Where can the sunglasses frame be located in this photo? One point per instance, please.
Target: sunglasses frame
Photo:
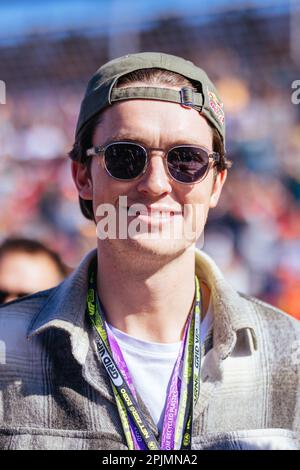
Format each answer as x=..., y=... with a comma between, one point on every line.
x=214, y=157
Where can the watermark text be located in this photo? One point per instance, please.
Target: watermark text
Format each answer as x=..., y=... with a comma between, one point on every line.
x=2, y=92
x=295, y=98
x=153, y=222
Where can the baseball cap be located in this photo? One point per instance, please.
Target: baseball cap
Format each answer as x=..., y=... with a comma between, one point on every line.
x=101, y=90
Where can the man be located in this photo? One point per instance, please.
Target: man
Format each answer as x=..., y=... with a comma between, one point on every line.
x=145, y=345
x=27, y=266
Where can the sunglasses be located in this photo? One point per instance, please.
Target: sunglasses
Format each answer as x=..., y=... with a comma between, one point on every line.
x=5, y=294
x=127, y=161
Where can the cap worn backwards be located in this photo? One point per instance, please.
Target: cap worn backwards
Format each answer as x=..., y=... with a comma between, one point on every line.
x=101, y=91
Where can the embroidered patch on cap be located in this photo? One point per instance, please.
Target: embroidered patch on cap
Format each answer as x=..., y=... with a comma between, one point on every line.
x=217, y=106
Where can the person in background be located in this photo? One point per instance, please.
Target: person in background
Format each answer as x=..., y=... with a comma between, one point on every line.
x=27, y=266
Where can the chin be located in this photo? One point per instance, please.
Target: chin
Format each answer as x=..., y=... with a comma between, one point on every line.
x=162, y=248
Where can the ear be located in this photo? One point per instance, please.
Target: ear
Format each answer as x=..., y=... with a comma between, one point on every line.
x=82, y=180
x=217, y=188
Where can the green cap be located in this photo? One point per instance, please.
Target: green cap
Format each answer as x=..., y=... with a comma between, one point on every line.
x=101, y=91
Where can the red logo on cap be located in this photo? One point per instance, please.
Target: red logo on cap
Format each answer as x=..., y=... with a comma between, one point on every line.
x=216, y=106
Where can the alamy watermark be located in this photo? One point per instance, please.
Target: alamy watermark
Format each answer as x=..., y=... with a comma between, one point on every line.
x=2, y=353
x=2, y=92
x=295, y=98
x=154, y=222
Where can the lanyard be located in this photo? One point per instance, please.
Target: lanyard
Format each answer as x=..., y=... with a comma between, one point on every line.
x=184, y=385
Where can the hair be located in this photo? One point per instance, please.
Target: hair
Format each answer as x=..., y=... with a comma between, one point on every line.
x=151, y=76
x=32, y=247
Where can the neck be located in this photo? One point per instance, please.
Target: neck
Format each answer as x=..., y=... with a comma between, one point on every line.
x=154, y=305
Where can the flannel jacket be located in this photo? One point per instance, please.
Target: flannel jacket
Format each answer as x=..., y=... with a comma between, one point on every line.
x=55, y=394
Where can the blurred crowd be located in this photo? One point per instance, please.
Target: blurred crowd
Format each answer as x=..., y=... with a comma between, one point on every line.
x=253, y=234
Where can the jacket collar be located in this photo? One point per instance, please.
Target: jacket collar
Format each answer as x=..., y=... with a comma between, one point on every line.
x=232, y=312
x=66, y=305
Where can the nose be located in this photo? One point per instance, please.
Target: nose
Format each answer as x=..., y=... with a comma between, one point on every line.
x=155, y=180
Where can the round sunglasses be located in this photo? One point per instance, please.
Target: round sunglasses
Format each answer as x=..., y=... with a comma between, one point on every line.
x=127, y=161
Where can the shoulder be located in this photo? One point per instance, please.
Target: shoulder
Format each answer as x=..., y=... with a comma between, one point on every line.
x=278, y=360
x=271, y=314
x=25, y=306
x=15, y=320
x=277, y=332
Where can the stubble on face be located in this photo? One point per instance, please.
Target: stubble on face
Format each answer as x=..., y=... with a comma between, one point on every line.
x=166, y=122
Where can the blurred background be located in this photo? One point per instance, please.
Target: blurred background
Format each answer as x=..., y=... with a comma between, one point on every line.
x=49, y=49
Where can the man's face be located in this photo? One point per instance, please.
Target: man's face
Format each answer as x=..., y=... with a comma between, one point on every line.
x=161, y=125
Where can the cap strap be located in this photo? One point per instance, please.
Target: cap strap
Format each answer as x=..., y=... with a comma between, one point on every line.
x=186, y=96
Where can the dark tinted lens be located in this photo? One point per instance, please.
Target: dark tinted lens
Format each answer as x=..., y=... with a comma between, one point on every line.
x=188, y=164
x=125, y=161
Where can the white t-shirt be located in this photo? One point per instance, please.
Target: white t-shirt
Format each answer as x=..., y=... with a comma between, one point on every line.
x=151, y=366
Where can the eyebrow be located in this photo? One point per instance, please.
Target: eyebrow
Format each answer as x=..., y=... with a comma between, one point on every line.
x=132, y=138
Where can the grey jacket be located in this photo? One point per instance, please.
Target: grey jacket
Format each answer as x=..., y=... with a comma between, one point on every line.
x=54, y=393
